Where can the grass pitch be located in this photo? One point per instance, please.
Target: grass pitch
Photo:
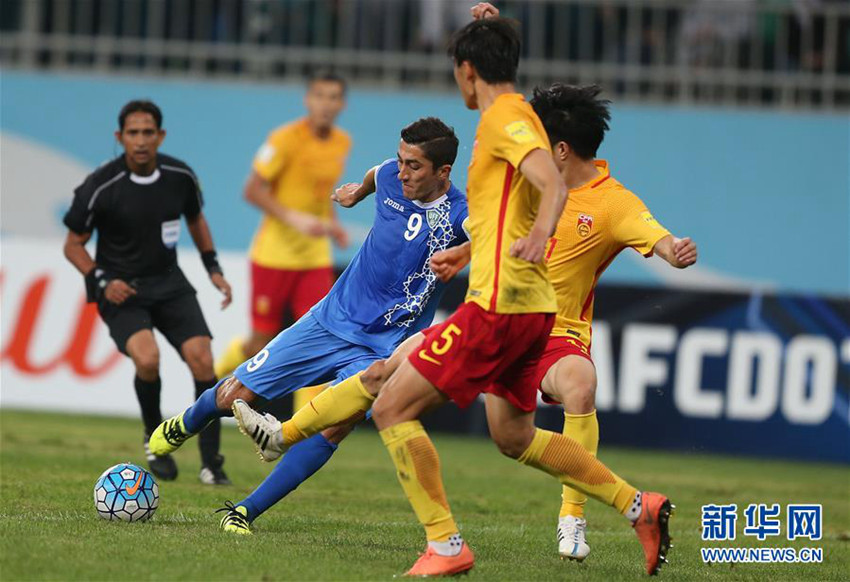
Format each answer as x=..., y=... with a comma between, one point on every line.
x=351, y=521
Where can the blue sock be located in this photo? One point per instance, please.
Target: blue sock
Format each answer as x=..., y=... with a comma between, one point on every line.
x=297, y=465
x=203, y=411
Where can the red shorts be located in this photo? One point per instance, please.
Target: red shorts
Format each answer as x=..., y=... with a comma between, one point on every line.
x=274, y=292
x=476, y=351
x=557, y=348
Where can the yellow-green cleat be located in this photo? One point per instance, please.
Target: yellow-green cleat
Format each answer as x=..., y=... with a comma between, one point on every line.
x=168, y=436
x=235, y=520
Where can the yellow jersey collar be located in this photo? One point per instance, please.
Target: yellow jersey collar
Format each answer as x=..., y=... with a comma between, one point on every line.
x=604, y=174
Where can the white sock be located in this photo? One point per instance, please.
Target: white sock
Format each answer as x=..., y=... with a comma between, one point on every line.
x=633, y=512
x=450, y=547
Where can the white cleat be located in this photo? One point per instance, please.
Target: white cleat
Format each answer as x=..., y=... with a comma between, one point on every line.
x=263, y=429
x=571, y=542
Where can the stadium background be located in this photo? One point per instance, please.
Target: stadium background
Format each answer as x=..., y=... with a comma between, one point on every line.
x=730, y=120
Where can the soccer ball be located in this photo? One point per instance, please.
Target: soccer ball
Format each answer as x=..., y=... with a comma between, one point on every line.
x=126, y=492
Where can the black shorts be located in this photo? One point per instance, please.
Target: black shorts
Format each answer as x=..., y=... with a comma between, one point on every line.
x=166, y=302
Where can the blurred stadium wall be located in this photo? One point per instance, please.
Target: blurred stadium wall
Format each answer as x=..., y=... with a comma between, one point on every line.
x=730, y=121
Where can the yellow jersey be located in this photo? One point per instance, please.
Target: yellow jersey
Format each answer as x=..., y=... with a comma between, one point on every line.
x=303, y=170
x=502, y=209
x=601, y=219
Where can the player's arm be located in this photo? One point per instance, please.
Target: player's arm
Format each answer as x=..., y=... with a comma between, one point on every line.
x=679, y=252
x=258, y=191
x=338, y=232
x=350, y=194
x=75, y=251
x=202, y=237
x=448, y=263
x=98, y=281
x=540, y=170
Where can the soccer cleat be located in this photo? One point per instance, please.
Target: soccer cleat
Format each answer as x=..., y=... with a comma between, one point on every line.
x=213, y=474
x=433, y=564
x=263, y=429
x=571, y=542
x=168, y=436
x=162, y=466
x=235, y=520
x=652, y=529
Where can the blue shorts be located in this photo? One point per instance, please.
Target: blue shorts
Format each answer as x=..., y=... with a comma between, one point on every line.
x=305, y=354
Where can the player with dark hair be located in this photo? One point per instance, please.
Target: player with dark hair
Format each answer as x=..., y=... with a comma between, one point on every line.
x=601, y=219
x=418, y=212
x=291, y=181
x=135, y=203
x=496, y=341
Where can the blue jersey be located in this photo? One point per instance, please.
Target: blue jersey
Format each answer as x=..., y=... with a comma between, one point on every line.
x=388, y=292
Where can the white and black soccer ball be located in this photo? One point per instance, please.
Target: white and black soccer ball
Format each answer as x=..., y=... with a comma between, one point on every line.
x=126, y=492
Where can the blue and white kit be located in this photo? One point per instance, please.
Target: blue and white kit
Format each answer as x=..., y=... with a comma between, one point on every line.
x=387, y=294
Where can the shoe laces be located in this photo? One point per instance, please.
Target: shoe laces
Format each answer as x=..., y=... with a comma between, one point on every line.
x=572, y=529
x=173, y=434
x=231, y=512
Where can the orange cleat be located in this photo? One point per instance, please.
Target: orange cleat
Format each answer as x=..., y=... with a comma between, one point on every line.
x=433, y=564
x=652, y=529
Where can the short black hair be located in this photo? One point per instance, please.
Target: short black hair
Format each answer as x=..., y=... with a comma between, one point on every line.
x=324, y=75
x=436, y=139
x=140, y=106
x=491, y=45
x=575, y=115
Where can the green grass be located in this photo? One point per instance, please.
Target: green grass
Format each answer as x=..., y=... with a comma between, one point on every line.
x=351, y=521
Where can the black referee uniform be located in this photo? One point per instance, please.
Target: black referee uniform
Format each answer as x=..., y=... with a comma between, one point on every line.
x=138, y=222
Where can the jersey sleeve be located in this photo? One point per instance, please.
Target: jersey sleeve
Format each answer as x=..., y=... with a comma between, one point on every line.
x=512, y=135
x=194, y=201
x=380, y=167
x=273, y=154
x=80, y=217
x=634, y=225
x=381, y=175
x=461, y=227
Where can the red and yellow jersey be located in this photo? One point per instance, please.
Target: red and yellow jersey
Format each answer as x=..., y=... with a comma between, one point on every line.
x=303, y=170
x=502, y=209
x=601, y=219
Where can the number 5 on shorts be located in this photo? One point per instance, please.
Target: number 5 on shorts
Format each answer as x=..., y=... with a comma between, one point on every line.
x=448, y=335
x=448, y=339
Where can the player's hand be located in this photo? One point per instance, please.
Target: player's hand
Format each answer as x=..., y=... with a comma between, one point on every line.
x=484, y=10
x=222, y=285
x=307, y=223
x=347, y=195
x=685, y=251
x=530, y=248
x=118, y=291
x=339, y=235
x=448, y=263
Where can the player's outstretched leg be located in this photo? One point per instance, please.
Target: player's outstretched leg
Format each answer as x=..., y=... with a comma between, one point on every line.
x=347, y=401
x=302, y=461
x=516, y=436
x=212, y=404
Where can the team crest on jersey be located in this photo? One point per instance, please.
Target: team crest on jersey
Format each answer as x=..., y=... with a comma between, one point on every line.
x=584, y=224
x=433, y=217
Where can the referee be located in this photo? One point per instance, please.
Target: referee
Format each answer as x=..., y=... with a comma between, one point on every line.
x=135, y=202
